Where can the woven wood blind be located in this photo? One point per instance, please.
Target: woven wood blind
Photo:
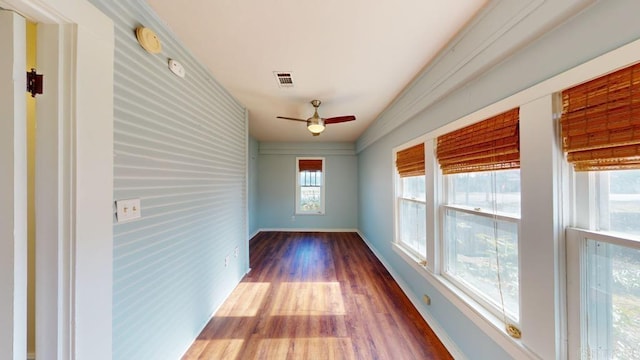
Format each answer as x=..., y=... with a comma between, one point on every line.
x=309, y=165
x=492, y=144
x=410, y=161
x=601, y=122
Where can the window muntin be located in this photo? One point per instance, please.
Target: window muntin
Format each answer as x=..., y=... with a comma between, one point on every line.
x=480, y=237
x=310, y=186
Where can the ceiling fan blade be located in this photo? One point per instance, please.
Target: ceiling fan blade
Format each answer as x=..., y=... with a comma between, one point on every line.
x=339, y=119
x=289, y=118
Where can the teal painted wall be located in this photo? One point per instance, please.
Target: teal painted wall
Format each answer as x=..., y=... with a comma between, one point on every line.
x=154, y=270
x=276, y=186
x=180, y=146
x=597, y=30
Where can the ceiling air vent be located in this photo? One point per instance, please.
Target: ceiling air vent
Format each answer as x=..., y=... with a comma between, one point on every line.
x=284, y=78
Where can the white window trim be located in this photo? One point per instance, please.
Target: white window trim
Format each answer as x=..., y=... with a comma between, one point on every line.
x=298, y=211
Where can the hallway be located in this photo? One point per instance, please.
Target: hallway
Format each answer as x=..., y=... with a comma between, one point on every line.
x=316, y=296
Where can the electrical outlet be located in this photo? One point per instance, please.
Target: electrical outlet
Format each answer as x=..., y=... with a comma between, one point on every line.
x=127, y=210
x=293, y=218
x=426, y=299
x=236, y=251
x=226, y=261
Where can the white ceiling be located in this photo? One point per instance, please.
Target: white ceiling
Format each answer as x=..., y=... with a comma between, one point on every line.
x=356, y=56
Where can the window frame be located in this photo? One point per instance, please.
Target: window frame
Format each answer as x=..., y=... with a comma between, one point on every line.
x=585, y=211
x=413, y=254
x=299, y=186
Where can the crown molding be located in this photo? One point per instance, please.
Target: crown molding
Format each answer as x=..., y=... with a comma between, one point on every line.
x=501, y=29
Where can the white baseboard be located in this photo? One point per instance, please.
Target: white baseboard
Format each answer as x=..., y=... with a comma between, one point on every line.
x=254, y=234
x=451, y=346
x=308, y=230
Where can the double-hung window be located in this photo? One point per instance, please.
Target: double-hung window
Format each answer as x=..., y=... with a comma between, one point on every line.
x=600, y=127
x=310, y=186
x=480, y=212
x=411, y=201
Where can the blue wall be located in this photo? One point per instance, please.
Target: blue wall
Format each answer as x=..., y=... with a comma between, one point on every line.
x=180, y=146
x=188, y=161
x=597, y=30
x=276, y=186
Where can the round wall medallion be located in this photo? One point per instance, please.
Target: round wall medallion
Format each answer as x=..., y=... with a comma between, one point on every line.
x=148, y=40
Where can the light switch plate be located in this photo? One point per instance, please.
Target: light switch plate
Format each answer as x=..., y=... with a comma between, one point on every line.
x=127, y=210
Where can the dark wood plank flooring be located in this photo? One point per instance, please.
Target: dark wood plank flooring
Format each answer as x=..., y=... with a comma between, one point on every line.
x=316, y=296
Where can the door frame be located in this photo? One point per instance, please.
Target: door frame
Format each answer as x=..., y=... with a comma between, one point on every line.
x=13, y=187
x=74, y=182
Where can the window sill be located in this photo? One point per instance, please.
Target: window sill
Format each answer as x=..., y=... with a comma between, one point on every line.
x=491, y=325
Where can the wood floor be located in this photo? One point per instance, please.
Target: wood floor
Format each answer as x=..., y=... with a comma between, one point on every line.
x=316, y=296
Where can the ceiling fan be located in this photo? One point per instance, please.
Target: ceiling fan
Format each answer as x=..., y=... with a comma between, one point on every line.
x=316, y=124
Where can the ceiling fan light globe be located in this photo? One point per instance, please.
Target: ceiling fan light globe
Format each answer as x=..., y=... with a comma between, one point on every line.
x=315, y=128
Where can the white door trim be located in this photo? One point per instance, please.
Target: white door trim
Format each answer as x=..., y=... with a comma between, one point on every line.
x=74, y=206
x=13, y=188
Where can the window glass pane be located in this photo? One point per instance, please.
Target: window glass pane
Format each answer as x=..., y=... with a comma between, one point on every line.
x=309, y=192
x=413, y=187
x=470, y=246
x=310, y=178
x=613, y=301
x=412, y=224
x=620, y=201
x=310, y=198
x=489, y=190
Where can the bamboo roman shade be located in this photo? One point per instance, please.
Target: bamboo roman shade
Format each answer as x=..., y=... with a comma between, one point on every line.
x=601, y=122
x=310, y=165
x=410, y=161
x=492, y=144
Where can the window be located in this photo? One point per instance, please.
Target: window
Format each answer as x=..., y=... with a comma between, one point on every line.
x=481, y=219
x=310, y=185
x=600, y=135
x=480, y=214
x=411, y=201
x=610, y=276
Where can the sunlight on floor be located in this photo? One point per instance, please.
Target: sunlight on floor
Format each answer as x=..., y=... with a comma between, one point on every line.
x=252, y=296
x=308, y=298
x=306, y=349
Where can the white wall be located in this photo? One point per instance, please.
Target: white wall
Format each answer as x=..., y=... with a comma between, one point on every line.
x=81, y=323
x=13, y=188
